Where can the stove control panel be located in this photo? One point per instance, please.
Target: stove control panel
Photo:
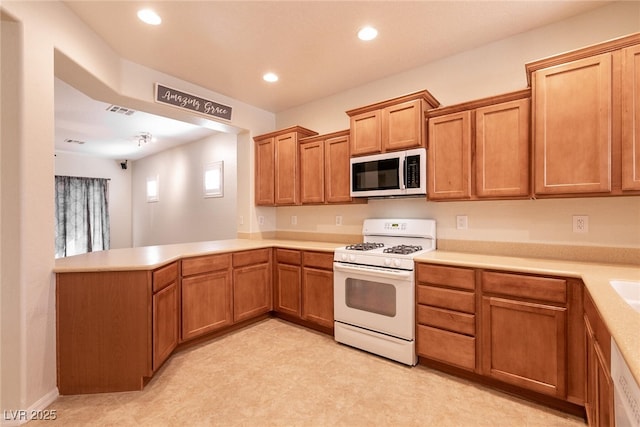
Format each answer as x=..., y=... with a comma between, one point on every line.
x=395, y=226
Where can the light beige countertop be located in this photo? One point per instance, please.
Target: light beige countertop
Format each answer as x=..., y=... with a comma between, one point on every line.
x=623, y=322
x=151, y=257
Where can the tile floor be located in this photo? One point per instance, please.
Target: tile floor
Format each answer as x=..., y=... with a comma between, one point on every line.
x=274, y=373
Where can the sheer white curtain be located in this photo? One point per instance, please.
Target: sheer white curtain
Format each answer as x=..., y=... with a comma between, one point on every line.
x=82, y=215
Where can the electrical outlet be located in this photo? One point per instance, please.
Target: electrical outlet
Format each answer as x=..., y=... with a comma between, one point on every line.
x=338, y=219
x=294, y=219
x=462, y=222
x=580, y=223
x=261, y=220
x=241, y=220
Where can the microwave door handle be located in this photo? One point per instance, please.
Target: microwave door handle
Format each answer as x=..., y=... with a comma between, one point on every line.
x=403, y=186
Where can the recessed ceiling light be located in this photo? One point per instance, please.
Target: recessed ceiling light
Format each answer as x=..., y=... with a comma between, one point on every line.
x=270, y=77
x=148, y=16
x=367, y=33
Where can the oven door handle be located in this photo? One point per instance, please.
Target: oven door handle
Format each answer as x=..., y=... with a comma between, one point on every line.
x=377, y=272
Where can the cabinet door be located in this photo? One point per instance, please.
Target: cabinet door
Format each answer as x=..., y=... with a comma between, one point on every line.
x=317, y=294
x=165, y=323
x=251, y=291
x=525, y=344
x=288, y=289
x=206, y=303
x=312, y=172
x=572, y=127
x=502, y=149
x=287, y=184
x=402, y=126
x=337, y=170
x=366, y=136
x=265, y=172
x=449, y=159
x=631, y=118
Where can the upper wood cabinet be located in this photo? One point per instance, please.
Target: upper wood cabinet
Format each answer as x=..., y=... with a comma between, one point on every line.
x=391, y=125
x=583, y=120
x=631, y=118
x=277, y=166
x=265, y=171
x=449, y=157
x=325, y=169
x=572, y=139
x=480, y=149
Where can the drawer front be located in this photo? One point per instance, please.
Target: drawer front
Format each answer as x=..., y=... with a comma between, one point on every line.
x=447, y=298
x=532, y=287
x=257, y=256
x=205, y=264
x=455, y=277
x=164, y=276
x=453, y=321
x=322, y=260
x=447, y=347
x=288, y=256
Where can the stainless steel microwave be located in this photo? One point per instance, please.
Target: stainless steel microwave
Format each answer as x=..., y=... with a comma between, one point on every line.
x=400, y=173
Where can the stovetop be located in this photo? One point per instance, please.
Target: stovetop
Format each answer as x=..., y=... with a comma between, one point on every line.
x=390, y=243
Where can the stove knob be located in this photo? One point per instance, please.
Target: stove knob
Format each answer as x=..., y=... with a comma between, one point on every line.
x=343, y=257
x=396, y=262
x=387, y=261
x=352, y=258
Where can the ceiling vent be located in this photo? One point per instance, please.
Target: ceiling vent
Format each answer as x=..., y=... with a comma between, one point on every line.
x=73, y=141
x=120, y=110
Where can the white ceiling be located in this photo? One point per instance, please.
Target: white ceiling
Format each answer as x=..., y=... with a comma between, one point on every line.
x=226, y=46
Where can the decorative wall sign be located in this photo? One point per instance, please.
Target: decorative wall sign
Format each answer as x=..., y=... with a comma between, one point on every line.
x=186, y=101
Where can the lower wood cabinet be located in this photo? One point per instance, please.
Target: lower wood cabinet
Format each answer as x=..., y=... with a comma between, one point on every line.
x=206, y=295
x=508, y=329
x=599, y=400
x=304, y=286
x=524, y=331
x=525, y=344
x=446, y=321
x=317, y=288
x=166, y=313
x=166, y=318
x=288, y=282
x=251, y=284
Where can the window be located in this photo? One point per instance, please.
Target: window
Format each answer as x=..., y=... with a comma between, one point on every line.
x=213, y=179
x=82, y=215
x=152, y=189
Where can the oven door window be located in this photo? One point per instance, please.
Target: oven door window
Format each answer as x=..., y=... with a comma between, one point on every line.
x=374, y=297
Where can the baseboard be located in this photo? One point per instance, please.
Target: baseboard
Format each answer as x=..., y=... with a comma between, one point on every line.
x=36, y=411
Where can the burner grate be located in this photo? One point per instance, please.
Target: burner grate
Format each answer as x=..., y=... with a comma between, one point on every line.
x=402, y=249
x=367, y=246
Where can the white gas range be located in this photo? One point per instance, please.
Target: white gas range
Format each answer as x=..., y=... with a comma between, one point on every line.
x=374, y=287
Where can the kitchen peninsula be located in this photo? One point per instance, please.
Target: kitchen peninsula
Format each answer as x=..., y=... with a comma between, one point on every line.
x=120, y=312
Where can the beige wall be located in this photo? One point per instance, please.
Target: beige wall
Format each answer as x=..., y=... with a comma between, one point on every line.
x=488, y=70
x=182, y=214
